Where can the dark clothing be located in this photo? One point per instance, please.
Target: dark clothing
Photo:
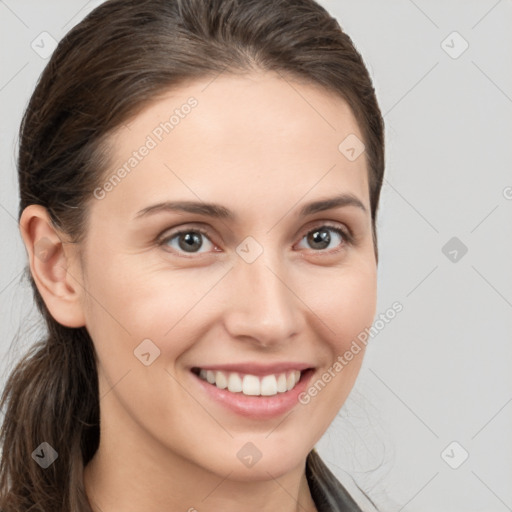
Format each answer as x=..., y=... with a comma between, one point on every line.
x=327, y=492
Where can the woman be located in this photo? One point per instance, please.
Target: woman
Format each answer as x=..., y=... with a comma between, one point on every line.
x=199, y=182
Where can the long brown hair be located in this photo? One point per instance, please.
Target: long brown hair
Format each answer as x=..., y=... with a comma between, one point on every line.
x=105, y=70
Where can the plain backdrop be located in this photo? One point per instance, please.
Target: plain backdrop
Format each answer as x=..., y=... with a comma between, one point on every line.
x=427, y=427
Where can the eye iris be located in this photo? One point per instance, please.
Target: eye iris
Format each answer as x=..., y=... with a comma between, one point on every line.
x=320, y=236
x=191, y=241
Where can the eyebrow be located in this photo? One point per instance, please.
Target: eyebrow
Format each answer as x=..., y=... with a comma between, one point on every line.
x=221, y=212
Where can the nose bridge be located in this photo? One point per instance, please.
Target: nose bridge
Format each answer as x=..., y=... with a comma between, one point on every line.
x=262, y=305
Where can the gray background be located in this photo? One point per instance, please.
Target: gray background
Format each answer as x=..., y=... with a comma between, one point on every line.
x=440, y=371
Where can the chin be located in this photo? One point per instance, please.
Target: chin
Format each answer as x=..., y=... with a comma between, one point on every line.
x=258, y=460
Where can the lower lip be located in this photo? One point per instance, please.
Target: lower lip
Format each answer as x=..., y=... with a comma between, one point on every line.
x=257, y=407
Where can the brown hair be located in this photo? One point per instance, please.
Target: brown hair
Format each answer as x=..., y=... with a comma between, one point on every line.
x=104, y=71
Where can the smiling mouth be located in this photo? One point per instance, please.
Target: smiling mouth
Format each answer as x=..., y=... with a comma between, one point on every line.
x=252, y=385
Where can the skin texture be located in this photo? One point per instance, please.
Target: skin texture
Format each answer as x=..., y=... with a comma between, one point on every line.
x=263, y=147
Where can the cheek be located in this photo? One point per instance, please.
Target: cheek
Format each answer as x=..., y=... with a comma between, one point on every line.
x=127, y=303
x=346, y=302
x=347, y=308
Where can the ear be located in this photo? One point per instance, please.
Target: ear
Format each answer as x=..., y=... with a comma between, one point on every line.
x=54, y=266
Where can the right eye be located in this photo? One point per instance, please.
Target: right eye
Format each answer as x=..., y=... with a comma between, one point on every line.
x=188, y=240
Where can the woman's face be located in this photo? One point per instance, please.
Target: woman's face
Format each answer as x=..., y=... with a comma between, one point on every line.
x=254, y=286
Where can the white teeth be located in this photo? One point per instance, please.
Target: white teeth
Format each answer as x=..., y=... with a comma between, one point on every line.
x=281, y=383
x=234, y=383
x=221, y=380
x=251, y=385
x=290, y=381
x=269, y=385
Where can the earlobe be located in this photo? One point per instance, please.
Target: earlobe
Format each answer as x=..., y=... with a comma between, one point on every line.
x=53, y=266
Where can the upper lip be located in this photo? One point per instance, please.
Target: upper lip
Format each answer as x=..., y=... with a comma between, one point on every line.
x=257, y=369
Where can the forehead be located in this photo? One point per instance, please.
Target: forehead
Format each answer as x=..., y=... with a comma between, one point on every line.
x=242, y=140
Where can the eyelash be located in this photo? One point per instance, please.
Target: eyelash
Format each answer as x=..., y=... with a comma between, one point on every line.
x=345, y=234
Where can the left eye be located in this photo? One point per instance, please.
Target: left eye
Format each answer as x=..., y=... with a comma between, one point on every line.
x=191, y=240
x=320, y=238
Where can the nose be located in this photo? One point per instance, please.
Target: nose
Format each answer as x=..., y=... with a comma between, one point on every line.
x=262, y=306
